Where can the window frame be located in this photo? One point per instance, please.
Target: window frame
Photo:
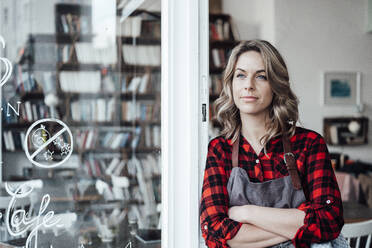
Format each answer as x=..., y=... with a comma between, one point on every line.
x=184, y=93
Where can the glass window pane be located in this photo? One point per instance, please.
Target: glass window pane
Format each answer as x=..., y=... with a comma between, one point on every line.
x=81, y=123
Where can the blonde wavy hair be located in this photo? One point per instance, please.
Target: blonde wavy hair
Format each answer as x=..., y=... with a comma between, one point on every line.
x=284, y=106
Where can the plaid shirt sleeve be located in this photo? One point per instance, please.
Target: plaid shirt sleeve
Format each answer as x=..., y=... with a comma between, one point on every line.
x=216, y=227
x=324, y=213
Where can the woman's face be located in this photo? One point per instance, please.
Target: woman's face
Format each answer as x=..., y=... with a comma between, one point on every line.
x=251, y=90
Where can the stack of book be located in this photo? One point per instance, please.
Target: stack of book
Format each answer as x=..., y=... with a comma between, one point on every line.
x=114, y=140
x=111, y=82
x=215, y=84
x=220, y=30
x=13, y=140
x=219, y=57
x=86, y=53
x=97, y=110
x=93, y=139
x=152, y=136
x=139, y=26
x=73, y=24
x=137, y=84
x=141, y=55
x=80, y=81
x=130, y=27
x=35, y=110
x=145, y=83
x=99, y=167
x=141, y=110
x=151, y=29
x=115, y=166
x=24, y=81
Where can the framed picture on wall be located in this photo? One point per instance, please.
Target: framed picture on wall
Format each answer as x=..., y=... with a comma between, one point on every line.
x=341, y=88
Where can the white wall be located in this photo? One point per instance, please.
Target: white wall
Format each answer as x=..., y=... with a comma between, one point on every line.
x=253, y=18
x=315, y=36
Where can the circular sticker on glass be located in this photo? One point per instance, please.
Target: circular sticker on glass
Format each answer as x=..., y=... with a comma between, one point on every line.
x=48, y=143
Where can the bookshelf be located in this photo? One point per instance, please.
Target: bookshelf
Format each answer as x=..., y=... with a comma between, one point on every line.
x=112, y=108
x=222, y=39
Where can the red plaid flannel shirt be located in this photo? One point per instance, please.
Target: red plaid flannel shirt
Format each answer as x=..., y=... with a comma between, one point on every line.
x=323, y=206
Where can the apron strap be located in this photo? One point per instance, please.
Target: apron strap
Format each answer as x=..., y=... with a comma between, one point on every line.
x=290, y=162
x=235, y=152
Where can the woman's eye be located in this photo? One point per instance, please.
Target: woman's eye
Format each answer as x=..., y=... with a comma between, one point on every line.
x=240, y=75
x=262, y=77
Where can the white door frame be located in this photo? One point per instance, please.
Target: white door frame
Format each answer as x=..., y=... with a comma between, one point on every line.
x=184, y=134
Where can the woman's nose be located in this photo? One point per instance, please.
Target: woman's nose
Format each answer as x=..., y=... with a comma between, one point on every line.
x=249, y=83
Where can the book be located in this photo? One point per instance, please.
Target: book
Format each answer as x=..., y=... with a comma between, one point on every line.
x=28, y=111
x=216, y=58
x=219, y=29
x=86, y=53
x=80, y=82
x=119, y=168
x=114, y=162
x=141, y=55
x=98, y=110
x=143, y=85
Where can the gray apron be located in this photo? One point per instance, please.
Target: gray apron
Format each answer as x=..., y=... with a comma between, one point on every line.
x=277, y=193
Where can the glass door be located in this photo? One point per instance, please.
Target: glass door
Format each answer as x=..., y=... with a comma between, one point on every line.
x=81, y=123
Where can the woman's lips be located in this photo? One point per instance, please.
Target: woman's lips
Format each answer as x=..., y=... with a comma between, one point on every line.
x=249, y=98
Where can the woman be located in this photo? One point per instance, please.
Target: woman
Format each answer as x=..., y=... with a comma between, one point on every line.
x=257, y=110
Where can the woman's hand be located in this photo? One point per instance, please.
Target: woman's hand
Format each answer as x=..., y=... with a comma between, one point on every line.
x=241, y=213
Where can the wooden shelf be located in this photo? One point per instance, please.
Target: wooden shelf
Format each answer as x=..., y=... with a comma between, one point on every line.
x=122, y=150
x=140, y=41
x=76, y=199
x=17, y=125
x=111, y=123
x=79, y=67
x=214, y=70
x=32, y=95
x=78, y=9
x=213, y=97
x=114, y=204
x=82, y=95
x=90, y=67
x=213, y=17
x=138, y=96
x=155, y=14
x=73, y=124
x=139, y=68
x=343, y=136
x=113, y=68
x=223, y=43
x=123, y=96
x=60, y=38
x=16, y=150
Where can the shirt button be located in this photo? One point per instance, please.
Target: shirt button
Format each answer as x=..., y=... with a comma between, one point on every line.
x=205, y=227
x=257, y=161
x=328, y=201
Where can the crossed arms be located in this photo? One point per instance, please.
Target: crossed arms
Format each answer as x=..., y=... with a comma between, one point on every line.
x=264, y=226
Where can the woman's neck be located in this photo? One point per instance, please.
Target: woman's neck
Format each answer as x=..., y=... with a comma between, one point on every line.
x=253, y=127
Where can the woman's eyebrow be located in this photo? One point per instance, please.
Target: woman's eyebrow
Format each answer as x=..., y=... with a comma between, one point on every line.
x=259, y=71
x=240, y=69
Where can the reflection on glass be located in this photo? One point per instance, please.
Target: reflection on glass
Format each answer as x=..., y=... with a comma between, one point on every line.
x=81, y=124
